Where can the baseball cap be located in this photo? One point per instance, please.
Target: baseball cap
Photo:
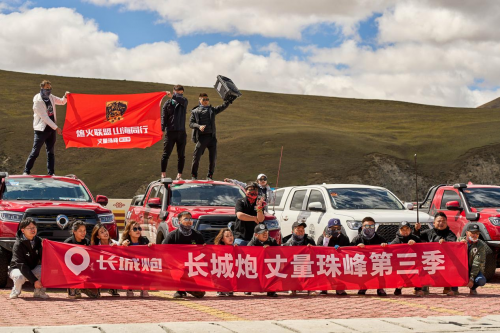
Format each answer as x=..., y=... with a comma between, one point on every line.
x=333, y=222
x=404, y=224
x=473, y=227
x=260, y=228
x=261, y=175
x=298, y=224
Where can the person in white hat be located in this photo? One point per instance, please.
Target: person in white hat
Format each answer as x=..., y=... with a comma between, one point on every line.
x=264, y=188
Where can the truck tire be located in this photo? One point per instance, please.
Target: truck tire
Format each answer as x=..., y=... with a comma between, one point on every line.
x=4, y=267
x=490, y=266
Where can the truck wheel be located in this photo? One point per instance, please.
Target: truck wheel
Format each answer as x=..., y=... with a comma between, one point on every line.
x=490, y=266
x=4, y=267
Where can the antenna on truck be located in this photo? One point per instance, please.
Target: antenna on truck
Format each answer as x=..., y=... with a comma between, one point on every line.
x=277, y=181
x=416, y=186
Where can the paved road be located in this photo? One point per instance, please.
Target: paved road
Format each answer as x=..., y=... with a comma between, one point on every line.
x=161, y=307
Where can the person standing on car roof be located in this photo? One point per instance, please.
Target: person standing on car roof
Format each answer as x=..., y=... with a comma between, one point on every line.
x=202, y=121
x=249, y=211
x=333, y=237
x=477, y=257
x=261, y=238
x=26, y=259
x=368, y=236
x=45, y=127
x=173, y=123
x=405, y=236
x=185, y=234
x=440, y=233
x=264, y=188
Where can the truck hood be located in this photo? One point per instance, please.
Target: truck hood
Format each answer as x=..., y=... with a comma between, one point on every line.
x=384, y=215
x=21, y=206
x=197, y=211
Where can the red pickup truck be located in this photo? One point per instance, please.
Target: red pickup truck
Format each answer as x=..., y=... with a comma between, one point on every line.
x=468, y=203
x=52, y=202
x=211, y=203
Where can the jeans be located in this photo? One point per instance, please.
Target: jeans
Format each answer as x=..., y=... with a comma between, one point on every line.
x=241, y=242
x=171, y=139
x=479, y=281
x=19, y=279
x=205, y=141
x=47, y=137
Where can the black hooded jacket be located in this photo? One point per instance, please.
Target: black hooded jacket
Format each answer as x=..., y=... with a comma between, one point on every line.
x=72, y=240
x=24, y=257
x=376, y=240
x=342, y=240
x=256, y=242
x=305, y=241
x=173, y=114
x=434, y=235
x=405, y=239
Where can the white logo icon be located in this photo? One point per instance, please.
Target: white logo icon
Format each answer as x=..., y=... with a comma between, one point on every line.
x=77, y=269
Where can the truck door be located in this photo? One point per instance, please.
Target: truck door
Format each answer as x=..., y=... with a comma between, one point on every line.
x=314, y=226
x=151, y=214
x=295, y=208
x=455, y=219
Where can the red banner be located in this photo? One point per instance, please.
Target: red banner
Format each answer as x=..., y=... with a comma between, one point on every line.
x=113, y=121
x=243, y=268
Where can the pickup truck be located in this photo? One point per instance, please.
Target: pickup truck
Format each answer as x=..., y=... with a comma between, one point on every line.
x=468, y=203
x=211, y=203
x=317, y=204
x=52, y=201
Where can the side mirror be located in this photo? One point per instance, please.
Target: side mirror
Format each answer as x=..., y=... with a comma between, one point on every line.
x=409, y=205
x=154, y=203
x=315, y=206
x=453, y=205
x=102, y=200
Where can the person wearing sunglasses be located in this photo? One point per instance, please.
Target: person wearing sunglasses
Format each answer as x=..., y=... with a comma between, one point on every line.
x=100, y=236
x=264, y=188
x=185, y=234
x=202, y=121
x=368, y=236
x=132, y=236
x=26, y=259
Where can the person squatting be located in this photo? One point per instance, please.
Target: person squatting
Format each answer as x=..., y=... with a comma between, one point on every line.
x=27, y=250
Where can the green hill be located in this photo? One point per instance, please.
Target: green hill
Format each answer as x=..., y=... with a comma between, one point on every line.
x=325, y=139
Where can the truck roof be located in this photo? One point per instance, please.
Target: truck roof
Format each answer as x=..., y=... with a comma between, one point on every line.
x=328, y=186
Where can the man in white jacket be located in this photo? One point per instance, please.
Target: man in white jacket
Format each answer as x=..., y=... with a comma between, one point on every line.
x=44, y=124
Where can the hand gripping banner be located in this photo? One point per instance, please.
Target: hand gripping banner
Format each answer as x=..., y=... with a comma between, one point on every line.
x=113, y=121
x=257, y=269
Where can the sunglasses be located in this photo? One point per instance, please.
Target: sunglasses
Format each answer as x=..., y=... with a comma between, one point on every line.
x=205, y=99
x=369, y=226
x=137, y=228
x=263, y=179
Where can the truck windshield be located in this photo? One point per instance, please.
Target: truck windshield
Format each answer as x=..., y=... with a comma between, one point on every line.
x=205, y=195
x=363, y=198
x=483, y=197
x=44, y=189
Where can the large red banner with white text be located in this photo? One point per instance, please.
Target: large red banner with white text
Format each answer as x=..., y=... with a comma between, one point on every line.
x=113, y=121
x=257, y=269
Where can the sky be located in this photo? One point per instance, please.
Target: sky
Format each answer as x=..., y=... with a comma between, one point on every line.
x=439, y=52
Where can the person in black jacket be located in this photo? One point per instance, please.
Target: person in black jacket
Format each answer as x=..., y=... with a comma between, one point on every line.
x=333, y=237
x=405, y=236
x=173, y=122
x=261, y=238
x=368, y=236
x=26, y=259
x=440, y=233
x=185, y=234
x=249, y=211
x=202, y=121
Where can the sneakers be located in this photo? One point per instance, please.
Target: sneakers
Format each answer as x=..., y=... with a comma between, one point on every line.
x=209, y=178
x=361, y=292
x=247, y=293
x=398, y=292
x=72, y=293
x=178, y=177
x=221, y=294
x=323, y=292
x=180, y=294
x=144, y=294
x=272, y=294
x=114, y=292
x=292, y=293
x=231, y=293
x=340, y=293
x=197, y=294
x=381, y=292
x=40, y=293
x=194, y=178
x=130, y=293
x=446, y=290
x=419, y=293
x=25, y=174
x=473, y=292
x=14, y=294
x=452, y=293
x=312, y=293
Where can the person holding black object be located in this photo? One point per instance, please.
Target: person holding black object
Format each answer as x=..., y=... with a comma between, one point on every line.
x=202, y=121
x=249, y=211
x=173, y=122
x=261, y=238
x=185, y=234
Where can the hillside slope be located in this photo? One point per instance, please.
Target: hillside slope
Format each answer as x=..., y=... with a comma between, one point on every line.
x=325, y=139
x=494, y=104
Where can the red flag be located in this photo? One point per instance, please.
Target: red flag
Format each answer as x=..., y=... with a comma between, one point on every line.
x=113, y=121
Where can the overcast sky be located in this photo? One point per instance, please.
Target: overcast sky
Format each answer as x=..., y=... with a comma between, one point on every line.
x=440, y=52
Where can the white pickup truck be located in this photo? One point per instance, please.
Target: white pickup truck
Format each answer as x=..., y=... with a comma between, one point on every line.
x=316, y=204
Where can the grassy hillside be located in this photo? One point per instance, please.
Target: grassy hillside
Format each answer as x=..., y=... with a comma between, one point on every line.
x=494, y=104
x=325, y=139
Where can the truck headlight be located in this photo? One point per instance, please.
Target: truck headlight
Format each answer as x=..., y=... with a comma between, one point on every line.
x=353, y=224
x=495, y=221
x=11, y=216
x=272, y=224
x=106, y=218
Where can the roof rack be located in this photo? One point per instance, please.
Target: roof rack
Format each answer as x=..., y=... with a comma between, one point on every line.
x=71, y=176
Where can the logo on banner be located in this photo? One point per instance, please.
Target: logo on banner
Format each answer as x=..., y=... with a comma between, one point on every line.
x=68, y=260
x=115, y=110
